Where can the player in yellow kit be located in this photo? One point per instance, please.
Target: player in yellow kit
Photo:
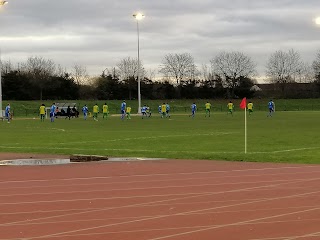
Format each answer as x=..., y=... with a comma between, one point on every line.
x=250, y=108
x=95, y=112
x=42, y=111
x=163, y=110
x=208, y=108
x=105, y=111
x=230, y=108
x=128, y=112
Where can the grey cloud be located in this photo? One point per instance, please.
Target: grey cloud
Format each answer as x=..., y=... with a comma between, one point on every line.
x=98, y=33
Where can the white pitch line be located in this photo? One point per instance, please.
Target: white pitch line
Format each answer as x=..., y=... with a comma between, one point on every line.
x=143, y=188
x=162, y=151
x=168, y=215
x=161, y=174
x=288, y=150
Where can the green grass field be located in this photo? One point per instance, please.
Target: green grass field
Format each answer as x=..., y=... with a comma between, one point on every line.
x=31, y=108
x=286, y=137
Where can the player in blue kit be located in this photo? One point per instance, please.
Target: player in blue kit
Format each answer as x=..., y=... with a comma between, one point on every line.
x=52, y=112
x=85, y=111
x=271, y=107
x=123, y=109
x=193, y=110
x=8, y=112
x=144, y=111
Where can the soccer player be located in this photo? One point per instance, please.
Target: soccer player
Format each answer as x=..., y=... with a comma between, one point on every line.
x=208, y=108
x=8, y=112
x=193, y=109
x=167, y=110
x=163, y=110
x=68, y=113
x=128, y=113
x=105, y=110
x=85, y=111
x=159, y=110
x=230, y=107
x=148, y=111
x=95, y=111
x=271, y=108
x=42, y=111
x=250, y=108
x=144, y=111
x=123, y=109
x=52, y=112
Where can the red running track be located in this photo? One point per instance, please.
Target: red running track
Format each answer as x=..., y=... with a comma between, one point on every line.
x=151, y=200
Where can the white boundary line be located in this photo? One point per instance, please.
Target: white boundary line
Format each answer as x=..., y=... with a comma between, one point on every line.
x=163, y=151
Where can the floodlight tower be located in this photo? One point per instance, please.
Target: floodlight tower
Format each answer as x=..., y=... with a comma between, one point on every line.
x=2, y=3
x=138, y=17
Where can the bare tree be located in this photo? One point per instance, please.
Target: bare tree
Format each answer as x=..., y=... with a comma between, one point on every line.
x=128, y=67
x=316, y=64
x=6, y=66
x=80, y=74
x=128, y=71
x=284, y=67
x=231, y=67
x=40, y=71
x=178, y=67
x=305, y=74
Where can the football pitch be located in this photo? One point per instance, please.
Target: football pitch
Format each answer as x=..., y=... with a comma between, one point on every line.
x=286, y=137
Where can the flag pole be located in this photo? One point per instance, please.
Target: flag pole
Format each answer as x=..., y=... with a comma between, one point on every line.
x=245, y=130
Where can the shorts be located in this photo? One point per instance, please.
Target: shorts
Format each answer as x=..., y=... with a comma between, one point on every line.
x=250, y=110
x=52, y=114
x=123, y=111
x=207, y=110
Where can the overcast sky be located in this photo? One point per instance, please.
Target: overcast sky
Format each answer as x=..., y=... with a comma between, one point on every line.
x=99, y=33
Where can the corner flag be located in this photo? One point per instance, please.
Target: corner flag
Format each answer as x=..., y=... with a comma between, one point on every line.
x=243, y=105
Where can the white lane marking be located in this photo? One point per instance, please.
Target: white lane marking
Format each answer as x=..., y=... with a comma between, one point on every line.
x=155, y=181
x=168, y=215
x=315, y=234
x=232, y=224
x=142, y=188
x=162, y=174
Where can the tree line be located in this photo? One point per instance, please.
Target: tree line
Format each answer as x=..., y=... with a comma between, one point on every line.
x=228, y=75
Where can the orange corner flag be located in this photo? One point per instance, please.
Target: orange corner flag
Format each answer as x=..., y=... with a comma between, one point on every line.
x=243, y=103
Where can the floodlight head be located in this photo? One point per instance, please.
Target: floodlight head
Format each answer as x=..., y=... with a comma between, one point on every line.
x=138, y=16
x=317, y=20
x=3, y=3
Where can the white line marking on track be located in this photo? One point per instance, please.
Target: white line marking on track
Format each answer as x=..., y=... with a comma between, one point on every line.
x=144, y=188
x=163, y=174
x=164, y=216
x=154, y=195
x=234, y=224
x=154, y=181
x=167, y=228
x=304, y=236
